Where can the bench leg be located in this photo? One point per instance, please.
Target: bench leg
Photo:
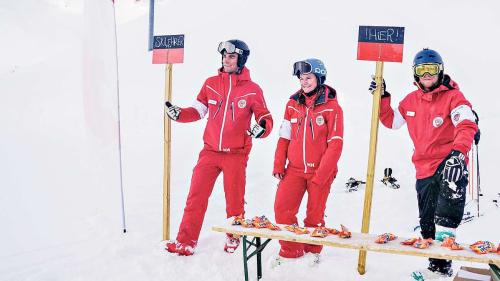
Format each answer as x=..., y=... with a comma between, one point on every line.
x=245, y=259
x=496, y=271
x=259, y=247
x=259, y=258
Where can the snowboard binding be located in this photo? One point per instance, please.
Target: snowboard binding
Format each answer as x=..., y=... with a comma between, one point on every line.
x=389, y=180
x=353, y=184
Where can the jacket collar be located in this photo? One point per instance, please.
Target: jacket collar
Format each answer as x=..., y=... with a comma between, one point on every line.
x=448, y=84
x=324, y=94
x=244, y=74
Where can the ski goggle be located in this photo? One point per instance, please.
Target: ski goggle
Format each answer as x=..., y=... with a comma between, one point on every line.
x=301, y=67
x=229, y=47
x=431, y=68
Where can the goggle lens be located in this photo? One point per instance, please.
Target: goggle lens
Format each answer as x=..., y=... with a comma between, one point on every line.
x=301, y=67
x=229, y=48
x=431, y=68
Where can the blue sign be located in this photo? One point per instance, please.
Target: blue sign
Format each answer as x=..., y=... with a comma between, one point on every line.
x=169, y=42
x=381, y=34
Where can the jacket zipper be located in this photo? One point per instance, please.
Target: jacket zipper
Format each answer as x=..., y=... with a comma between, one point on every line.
x=304, y=141
x=298, y=128
x=225, y=112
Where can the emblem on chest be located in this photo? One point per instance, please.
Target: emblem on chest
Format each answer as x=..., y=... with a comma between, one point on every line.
x=320, y=120
x=242, y=103
x=437, y=121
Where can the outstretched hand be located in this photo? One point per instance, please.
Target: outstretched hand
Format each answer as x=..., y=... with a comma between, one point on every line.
x=173, y=111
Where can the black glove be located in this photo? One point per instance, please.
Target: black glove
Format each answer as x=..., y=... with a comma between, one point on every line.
x=454, y=167
x=373, y=86
x=477, y=137
x=257, y=130
x=173, y=111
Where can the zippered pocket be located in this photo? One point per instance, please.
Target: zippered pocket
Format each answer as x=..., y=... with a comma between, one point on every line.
x=299, y=123
x=218, y=108
x=312, y=127
x=232, y=109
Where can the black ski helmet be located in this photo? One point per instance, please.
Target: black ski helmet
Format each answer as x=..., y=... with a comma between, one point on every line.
x=235, y=46
x=429, y=56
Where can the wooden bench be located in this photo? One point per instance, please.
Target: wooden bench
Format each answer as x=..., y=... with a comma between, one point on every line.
x=358, y=241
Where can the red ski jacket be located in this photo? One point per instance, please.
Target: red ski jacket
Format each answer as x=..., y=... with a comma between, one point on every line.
x=230, y=100
x=311, y=135
x=438, y=122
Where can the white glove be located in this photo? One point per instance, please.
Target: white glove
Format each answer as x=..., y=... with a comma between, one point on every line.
x=455, y=167
x=173, y=111
x=373, y=87
x=257, y=130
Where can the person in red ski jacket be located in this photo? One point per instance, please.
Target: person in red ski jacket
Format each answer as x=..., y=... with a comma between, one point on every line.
x=311, y=138
x=442, y=126
x=229, y=100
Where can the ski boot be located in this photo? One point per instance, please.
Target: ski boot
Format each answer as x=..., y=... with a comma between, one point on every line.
x=314, y=259
x=179, y=248
x=232, y=243
x=437, y=269
x=444, y=232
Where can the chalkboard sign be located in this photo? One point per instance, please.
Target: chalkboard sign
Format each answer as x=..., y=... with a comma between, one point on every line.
x=381, y=43
x=168, y=49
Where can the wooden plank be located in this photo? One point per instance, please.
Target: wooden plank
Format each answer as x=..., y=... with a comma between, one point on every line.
x=361, y=241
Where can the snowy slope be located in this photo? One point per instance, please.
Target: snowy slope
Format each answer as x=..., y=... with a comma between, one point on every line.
x=59, y=188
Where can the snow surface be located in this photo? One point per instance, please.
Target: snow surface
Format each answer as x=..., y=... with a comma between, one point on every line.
x=60, y=212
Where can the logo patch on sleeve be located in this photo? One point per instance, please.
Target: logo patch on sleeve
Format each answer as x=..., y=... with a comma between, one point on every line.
x=212, y=102
x=410, y=113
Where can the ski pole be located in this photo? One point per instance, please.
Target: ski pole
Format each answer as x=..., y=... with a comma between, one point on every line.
x=478, y=179
x=477, y=137
x=124, y=227
x=471, y=182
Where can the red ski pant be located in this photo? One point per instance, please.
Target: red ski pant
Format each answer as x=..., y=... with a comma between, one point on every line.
x=210, y=165
x=289, y=195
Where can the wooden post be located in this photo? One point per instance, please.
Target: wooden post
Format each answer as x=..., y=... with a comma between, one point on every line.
x=166, y=155
x=365, y=226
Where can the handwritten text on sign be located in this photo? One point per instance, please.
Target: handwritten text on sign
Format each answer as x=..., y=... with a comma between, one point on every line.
x=169, y=42
x=168, y=49
x=381, y=43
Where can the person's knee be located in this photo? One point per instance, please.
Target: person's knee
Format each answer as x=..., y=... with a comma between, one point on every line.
x=451, y=221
